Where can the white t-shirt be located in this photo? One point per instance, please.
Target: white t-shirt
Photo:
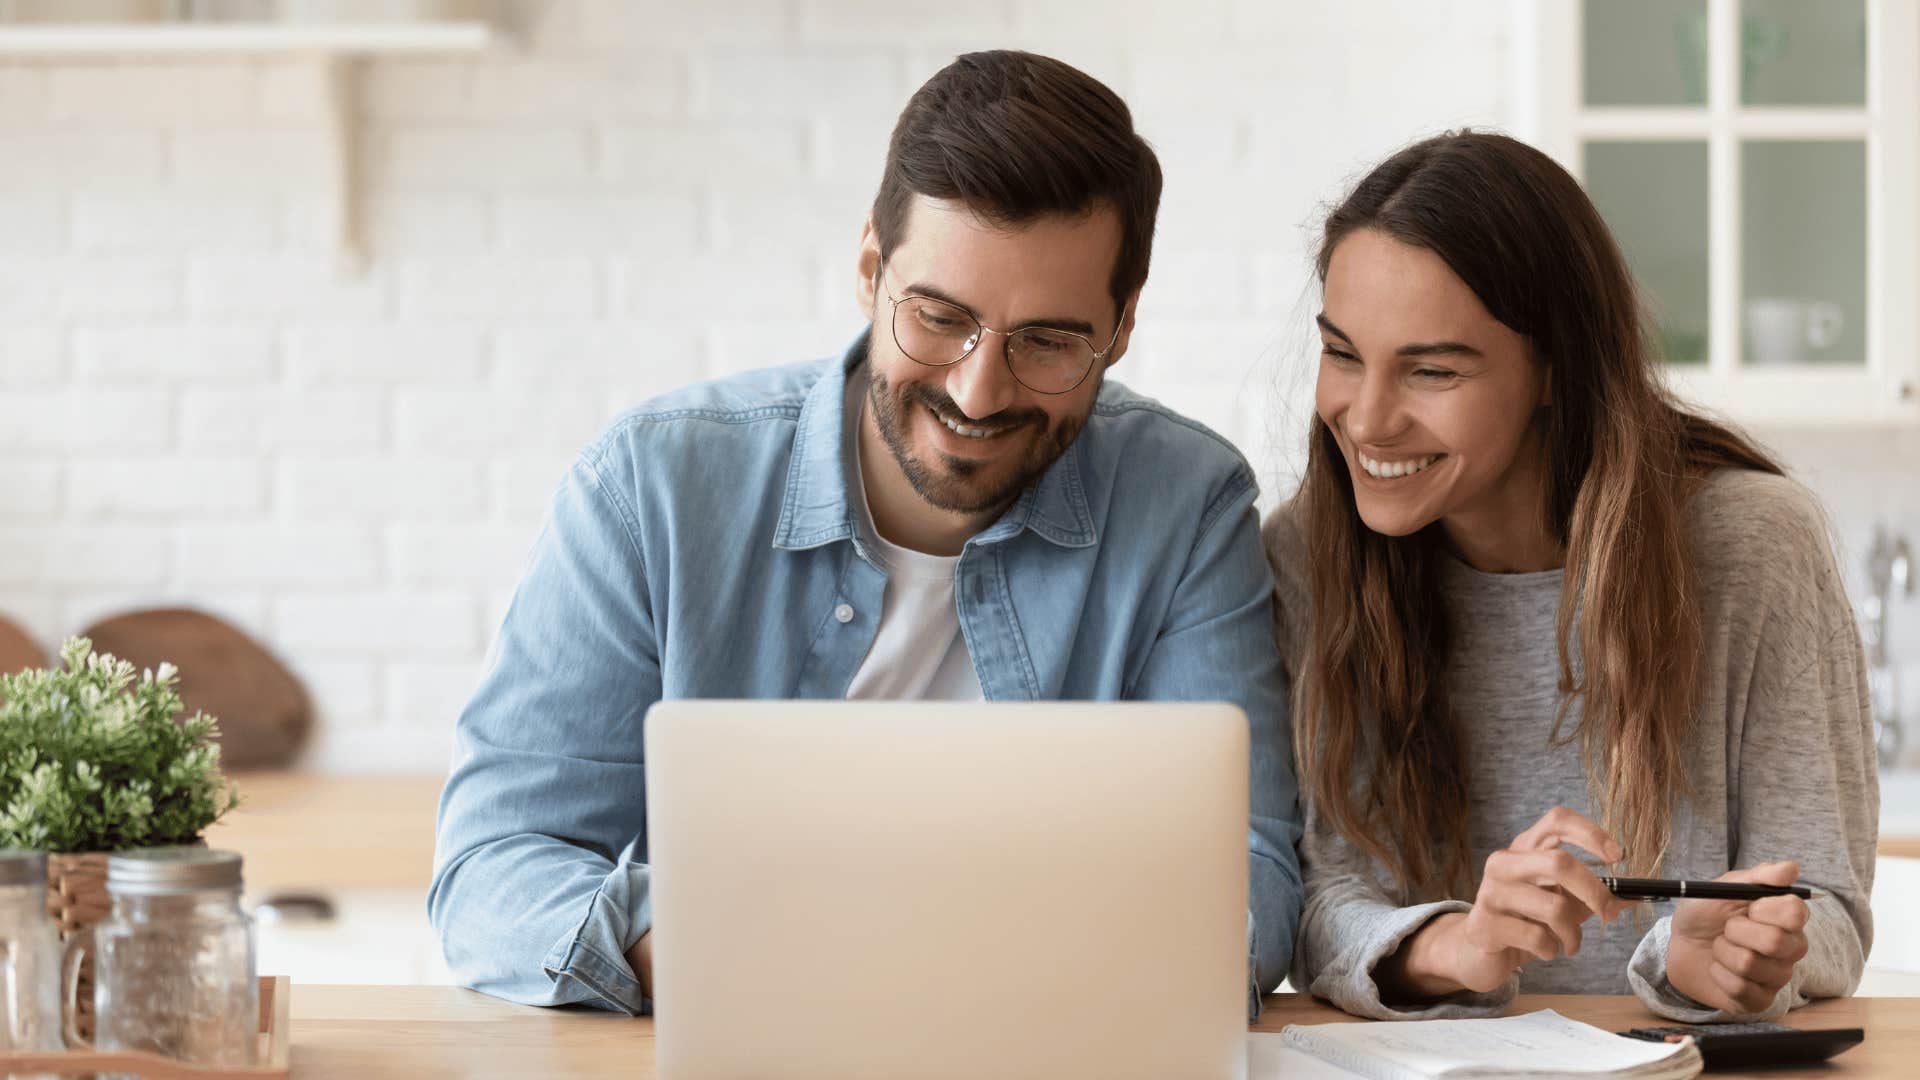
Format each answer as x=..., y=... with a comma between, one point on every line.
x=919, y=652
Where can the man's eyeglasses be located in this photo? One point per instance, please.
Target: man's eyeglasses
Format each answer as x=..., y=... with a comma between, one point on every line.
x=938, y=334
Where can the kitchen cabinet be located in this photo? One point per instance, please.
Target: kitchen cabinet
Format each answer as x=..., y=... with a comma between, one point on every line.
x=1759, y=163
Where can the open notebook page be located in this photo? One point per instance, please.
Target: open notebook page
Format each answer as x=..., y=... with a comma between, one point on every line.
x=1542, y=1043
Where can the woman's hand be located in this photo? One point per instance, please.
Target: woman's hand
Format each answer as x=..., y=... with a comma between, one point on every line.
x=1735, y=955
x=1533, y=897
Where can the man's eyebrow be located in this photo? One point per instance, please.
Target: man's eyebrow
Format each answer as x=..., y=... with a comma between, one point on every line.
x=1062, y=322
x=1418, y=349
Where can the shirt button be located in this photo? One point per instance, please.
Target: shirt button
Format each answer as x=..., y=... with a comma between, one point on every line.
x=843, y=613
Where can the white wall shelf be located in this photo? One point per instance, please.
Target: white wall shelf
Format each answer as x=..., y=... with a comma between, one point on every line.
x=334, y=49
x=361, y=39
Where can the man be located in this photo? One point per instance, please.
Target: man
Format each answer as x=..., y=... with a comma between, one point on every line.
x=961, y=507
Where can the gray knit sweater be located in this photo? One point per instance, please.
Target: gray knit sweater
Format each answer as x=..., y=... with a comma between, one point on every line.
x=1782, y=762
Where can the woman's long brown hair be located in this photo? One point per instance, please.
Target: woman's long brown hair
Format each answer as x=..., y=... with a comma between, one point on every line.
x=1379, y=749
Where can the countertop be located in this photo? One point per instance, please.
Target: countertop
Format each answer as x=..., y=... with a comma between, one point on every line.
x=304, y=831
x=418, y=1031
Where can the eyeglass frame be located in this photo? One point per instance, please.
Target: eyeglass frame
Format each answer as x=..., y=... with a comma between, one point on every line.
x=1005, y=357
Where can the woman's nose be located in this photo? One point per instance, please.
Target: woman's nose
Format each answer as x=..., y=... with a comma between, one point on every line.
x=1375, y=416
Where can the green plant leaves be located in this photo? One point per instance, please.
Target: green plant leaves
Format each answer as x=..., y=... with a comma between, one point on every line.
x=93, y=759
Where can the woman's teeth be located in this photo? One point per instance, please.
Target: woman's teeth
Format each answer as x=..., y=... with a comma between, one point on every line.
x=1388, y=470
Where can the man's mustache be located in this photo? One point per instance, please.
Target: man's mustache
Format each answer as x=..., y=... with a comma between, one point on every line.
x=1004, y=420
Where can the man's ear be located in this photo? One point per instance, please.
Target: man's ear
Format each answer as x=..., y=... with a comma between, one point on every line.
x=1126, y=330
x=868, y=267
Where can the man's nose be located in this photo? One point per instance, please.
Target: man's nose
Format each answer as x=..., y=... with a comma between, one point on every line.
x=983, y=383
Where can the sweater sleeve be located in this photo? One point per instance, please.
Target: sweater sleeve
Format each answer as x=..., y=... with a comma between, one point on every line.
x=1352, y=923
x=1804, y=783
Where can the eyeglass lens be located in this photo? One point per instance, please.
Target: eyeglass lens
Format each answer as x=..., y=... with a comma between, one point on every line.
x=937, y=333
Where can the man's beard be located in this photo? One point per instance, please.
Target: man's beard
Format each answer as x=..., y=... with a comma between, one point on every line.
x=958, y=486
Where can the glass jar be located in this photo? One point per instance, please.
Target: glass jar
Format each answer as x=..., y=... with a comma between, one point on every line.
x=30, y=963
x=174, y=960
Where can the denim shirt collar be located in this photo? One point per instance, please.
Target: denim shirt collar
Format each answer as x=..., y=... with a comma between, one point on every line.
x=815, y=508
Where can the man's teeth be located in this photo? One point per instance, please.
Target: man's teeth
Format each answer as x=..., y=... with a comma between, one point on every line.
x=1387, y=470
x=962, y=429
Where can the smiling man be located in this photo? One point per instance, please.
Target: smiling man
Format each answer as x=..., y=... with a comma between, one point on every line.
x=960, y=507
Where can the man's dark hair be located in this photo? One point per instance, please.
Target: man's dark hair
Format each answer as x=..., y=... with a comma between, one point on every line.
x=1015, y=137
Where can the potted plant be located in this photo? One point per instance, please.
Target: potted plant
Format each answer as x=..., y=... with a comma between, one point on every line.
x=95, y=760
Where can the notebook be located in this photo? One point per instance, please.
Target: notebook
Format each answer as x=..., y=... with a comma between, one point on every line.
x=1536, y=1044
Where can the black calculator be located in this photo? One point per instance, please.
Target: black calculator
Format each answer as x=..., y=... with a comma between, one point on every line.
x=1743, y=1046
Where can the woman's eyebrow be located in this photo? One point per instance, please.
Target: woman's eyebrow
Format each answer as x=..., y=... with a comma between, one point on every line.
x=1424, y=348
x=1438, y=348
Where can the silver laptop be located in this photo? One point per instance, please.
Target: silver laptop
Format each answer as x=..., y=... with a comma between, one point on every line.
x=908, y=890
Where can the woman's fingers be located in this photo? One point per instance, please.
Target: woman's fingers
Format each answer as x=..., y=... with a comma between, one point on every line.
x=1563, y=826
x=1557, y=869
x=1491, y=930
x=1745, y=995
x=1765, y=938
x=1535, y=895
x=1559, y=913
x=1783, y=872
x=1789, y=913
x=1768, y=971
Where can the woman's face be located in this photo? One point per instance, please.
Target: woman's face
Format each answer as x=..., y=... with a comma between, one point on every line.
x=1431, y=398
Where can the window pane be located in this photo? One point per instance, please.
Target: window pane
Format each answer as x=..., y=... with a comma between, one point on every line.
x=1803, y=262
x=1645, y=52
x=1654, y=197
x=1793, y=52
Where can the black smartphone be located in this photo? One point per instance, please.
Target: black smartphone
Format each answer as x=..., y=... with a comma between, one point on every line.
x=1743, y=1046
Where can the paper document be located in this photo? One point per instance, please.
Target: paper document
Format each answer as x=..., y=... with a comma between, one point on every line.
x=1270, y=1058
x=1542, y=1043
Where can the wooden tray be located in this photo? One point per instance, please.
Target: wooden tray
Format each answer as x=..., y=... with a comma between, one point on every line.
x=276, y=995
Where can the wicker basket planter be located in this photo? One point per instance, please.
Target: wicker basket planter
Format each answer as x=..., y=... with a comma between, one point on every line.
x=76, y=899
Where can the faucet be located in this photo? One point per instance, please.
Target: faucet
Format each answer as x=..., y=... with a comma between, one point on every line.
x=1889, y=563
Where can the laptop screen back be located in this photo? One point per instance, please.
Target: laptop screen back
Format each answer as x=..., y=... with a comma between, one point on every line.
x=883, y=889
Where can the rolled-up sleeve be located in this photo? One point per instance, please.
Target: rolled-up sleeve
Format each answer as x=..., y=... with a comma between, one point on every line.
x=540, y=877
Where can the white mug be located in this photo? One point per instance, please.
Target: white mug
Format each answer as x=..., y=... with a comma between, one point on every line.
x=1784, y=330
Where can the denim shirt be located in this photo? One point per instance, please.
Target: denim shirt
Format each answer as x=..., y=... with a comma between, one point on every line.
x=704, y=547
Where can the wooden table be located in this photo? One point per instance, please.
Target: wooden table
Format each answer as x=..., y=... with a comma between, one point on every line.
x=422, y=1031
x=302, y=831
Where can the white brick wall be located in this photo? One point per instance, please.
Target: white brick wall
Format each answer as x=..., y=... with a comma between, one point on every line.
x=196, y=408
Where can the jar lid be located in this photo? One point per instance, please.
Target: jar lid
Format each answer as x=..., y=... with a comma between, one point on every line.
x=21, y=867
x=160, y=871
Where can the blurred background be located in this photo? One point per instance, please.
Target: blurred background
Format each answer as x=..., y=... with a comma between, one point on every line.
x=306, y=305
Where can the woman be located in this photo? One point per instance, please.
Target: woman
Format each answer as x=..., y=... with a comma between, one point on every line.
x=1531, y=605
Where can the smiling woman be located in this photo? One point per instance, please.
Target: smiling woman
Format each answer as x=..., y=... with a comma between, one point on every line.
x=1532, y=603
x=1434, y=405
